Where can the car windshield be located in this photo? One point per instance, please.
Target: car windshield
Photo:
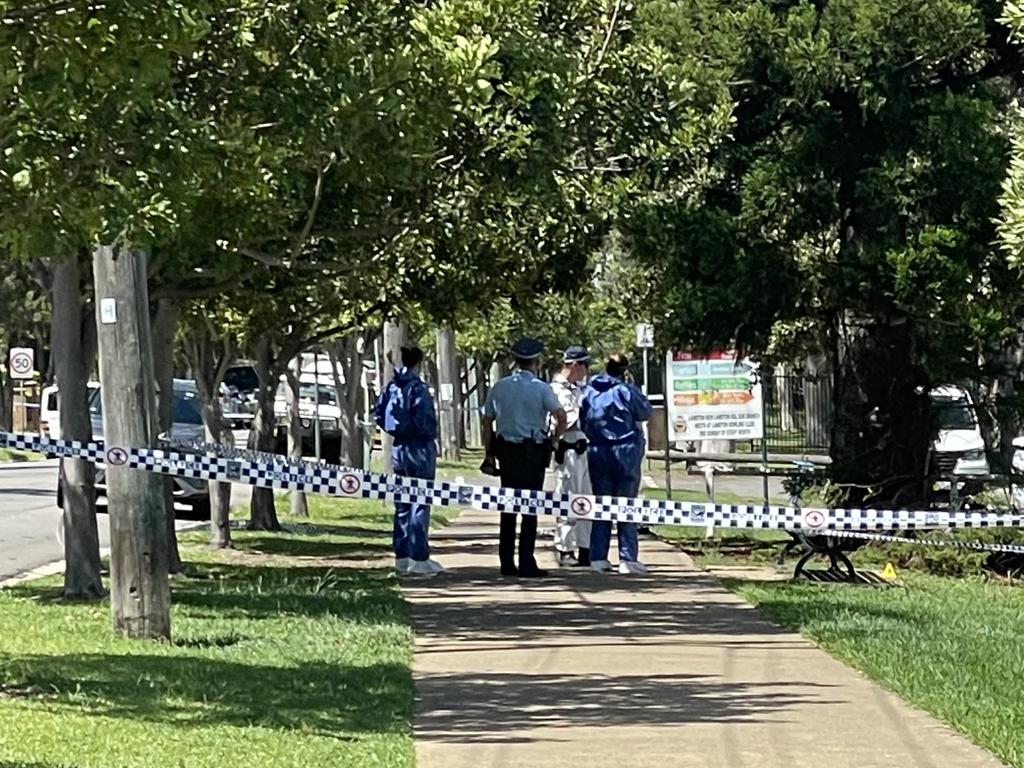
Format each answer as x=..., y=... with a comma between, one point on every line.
x=308, y=392
x=185, y=409
x=242, y=378
x=954, y=413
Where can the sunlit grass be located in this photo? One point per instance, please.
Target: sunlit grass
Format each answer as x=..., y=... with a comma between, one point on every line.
x=293, y=649
x=952, y=647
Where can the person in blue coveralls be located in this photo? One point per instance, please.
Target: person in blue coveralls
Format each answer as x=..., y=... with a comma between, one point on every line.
x=405, y=410
x=612, y=411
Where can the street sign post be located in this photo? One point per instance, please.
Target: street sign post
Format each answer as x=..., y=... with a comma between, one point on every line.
x=644, y=342
x=645, y=336
x=21, y=364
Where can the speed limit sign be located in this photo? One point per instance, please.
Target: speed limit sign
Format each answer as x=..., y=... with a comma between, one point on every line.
x=22, y=363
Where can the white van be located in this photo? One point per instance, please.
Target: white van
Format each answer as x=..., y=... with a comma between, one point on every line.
x=317, y=395
x=49, y=409
x=958, y=447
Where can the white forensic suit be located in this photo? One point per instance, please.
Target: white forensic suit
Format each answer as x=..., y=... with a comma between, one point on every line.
x=573, y=474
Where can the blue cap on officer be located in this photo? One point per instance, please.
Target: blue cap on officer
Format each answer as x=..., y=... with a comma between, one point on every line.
x=527, y=349
x=576, y=354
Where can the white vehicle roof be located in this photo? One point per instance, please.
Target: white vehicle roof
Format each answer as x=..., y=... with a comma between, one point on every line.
x=949, y=392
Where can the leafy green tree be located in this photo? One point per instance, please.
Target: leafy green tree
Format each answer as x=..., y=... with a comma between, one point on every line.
x=1012, y=227
x=859, y=191
x=23, y=324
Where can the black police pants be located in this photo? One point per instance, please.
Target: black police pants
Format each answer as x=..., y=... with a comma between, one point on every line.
x=521, y=465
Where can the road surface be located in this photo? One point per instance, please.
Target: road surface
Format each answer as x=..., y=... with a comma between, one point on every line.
x=30, y=519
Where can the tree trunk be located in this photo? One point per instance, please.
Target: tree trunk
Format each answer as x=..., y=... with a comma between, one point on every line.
x=220, y=493
x=140, y=593
x=818, y=402
x=209, y=368
x=346, y=354
x=475, y=393
x=262, y=510
x=494, y=374
x=165, y=326
x=449, y=392
x=395, y=333
x=461, y=387
x=7, y=402
x=784, y=392
x=299, y=505
x=881, y=430
x=81, y=539
x=1005, y=416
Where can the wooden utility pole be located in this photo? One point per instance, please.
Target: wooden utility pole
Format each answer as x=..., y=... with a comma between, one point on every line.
x=449, y=392
x=140, y=595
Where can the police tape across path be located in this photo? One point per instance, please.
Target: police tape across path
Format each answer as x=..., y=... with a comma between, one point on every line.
x=208, y=461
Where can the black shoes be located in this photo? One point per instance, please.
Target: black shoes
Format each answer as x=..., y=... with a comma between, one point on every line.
x=534, y=573
x=583, y=561
x=528, y=573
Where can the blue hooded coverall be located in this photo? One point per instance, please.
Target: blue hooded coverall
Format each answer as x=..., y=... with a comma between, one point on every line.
x=405, y=410
x=610, y=413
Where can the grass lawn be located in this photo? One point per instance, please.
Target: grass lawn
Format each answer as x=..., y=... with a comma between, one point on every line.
x=467, y=465
x=10, y=454
x=953, y=647
x=293, y=649
x=728, y=545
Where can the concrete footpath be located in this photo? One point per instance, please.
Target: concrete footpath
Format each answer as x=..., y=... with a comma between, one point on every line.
x=668, y=669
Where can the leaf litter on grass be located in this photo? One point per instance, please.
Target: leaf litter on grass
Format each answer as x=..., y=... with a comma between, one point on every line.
x=292, y=651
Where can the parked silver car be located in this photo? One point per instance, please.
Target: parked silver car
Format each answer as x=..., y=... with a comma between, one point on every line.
x=186, y=425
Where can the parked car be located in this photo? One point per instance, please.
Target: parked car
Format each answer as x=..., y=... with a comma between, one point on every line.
x=958, y=447
x=49, y=410
x=186, y=425
x=1017, y=463
x=311, y=390
x=242, y=382
x=237, y=412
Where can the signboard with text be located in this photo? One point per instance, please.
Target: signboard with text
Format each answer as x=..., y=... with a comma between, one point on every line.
x=713, y=398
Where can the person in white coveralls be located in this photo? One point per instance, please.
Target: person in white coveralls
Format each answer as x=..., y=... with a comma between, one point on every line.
x=572, y=474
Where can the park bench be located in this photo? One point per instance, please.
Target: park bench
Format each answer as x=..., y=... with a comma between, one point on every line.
x=798, y=469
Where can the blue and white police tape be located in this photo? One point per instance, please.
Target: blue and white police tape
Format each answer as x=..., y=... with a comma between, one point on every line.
x=226, y=464
x=975, y=546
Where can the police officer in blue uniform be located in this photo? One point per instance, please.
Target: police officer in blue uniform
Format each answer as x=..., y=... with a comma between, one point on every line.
x=405, y=410
x=514, y=432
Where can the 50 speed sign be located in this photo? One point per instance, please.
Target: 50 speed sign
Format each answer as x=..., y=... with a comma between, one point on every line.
x=21, y=363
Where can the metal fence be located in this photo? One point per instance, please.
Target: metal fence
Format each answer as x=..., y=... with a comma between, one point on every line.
x=798, y=413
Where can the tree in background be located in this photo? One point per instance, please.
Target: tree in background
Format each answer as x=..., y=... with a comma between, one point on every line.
x=24, y=324
x=859, y=190
x=1011, y=230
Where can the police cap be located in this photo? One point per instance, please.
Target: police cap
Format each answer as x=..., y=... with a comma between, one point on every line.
x=527, y=349
x=576, y=354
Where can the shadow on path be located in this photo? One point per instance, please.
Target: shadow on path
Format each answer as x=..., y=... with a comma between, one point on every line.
x=499, y=707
